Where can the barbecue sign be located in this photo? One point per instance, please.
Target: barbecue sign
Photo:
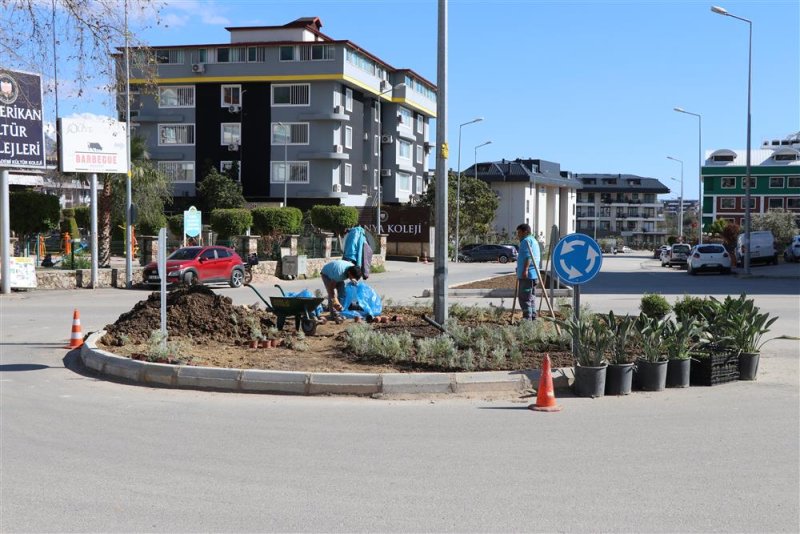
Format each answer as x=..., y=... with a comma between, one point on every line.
x=92, y=144
x=21, y=132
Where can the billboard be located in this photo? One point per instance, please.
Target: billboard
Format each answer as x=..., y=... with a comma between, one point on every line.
x=21, y=130
x=92, y=145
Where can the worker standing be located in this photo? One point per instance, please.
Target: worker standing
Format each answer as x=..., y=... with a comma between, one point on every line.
x=529, y=253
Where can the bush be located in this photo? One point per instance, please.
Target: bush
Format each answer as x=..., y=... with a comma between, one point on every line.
x=268, y=221
x=654, y=305
x=83, y=216
x=33, y=212
x=230, y=222
x=336, y=219
x=69, y=224
x=151, y=227
x=175, y=225
x=689, y=308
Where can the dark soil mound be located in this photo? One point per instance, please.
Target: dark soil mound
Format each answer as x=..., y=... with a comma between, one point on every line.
x=195, y=312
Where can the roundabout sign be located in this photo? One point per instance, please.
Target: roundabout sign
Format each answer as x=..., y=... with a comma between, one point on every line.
x=577, y=258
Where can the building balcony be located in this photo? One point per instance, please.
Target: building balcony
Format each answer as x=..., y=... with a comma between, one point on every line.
x=334, y=115
x=319, y=154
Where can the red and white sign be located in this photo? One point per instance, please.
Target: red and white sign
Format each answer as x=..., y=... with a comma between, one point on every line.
x=92, y=145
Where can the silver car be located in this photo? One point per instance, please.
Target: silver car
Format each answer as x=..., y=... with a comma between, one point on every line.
x=792, y=252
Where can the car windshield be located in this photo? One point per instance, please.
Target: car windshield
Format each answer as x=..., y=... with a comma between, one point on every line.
x=710, y=249
x=681, y=248
x=184, y=254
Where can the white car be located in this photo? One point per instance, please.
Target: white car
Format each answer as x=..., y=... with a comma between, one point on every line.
x=792, y=252
x=709, y=257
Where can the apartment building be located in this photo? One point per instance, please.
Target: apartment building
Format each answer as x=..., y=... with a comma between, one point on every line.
x=299, y=113
x=532, y=191
x=774, y=180
x=621, y=205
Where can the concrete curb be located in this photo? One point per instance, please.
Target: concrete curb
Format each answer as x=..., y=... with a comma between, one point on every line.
x=495, y=293
x=308, y=383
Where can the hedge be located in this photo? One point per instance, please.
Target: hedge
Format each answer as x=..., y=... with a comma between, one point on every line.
x=33, y=212
x=231, y=221
x=336, y=219
x=268, y=221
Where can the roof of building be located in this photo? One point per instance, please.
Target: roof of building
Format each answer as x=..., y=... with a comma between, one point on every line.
x=620, y=182
x=780, y=152
x=523, y=170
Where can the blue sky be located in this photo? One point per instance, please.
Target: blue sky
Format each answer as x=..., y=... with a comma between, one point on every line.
x=588, y=84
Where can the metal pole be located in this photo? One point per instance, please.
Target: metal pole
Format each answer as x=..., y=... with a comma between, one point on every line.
x=440, y=255
x=458, y=200
x=93, y=179
x=128, y=191
x=699, y=170
x=5, y=232
x=380, y=171
x=681, y=205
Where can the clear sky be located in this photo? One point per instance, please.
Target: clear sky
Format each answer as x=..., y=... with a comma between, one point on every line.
x=588, y=84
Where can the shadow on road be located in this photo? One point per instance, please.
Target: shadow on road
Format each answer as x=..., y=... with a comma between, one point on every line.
x=14, y=367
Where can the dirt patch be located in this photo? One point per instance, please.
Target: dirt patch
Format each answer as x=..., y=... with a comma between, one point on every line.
x=508, y=281
x=206, y=329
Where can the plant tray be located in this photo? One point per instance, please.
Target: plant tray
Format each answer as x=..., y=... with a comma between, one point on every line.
x=714, y=368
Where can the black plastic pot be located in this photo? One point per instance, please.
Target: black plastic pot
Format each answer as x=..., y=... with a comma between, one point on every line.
x=590, y=381
x=619, y=378
x=678, y=373
x=748, y=365
x=651, y=376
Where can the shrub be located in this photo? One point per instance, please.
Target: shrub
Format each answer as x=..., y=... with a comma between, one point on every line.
x=336, y=219
x=277, y=220
x=33, y=212
x=175, y=225
x=151, y=226
x=69, y=224
x=83, y=216
x=230, y=222
x=654, y=305
x=688, y=308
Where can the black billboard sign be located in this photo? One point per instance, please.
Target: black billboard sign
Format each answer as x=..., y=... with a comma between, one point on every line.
x=21, y=128
x=406, y=224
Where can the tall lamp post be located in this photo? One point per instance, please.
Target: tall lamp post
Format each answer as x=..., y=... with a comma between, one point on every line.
x=699, y=169
x=285, y=130
x=380, y=154
x=721, y=11
x=458, y=182
x=476, y=156
x=680, y=225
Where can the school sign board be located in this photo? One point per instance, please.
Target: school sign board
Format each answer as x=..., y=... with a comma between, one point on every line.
x=21, y=128
x=92, y=145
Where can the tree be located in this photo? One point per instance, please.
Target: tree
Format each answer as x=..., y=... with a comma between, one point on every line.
x=781, y=223
x=478, y=206
x=218, y=191
x=33, y=212
x=336, y=219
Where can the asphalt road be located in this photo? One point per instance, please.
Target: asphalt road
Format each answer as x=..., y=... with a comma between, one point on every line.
x=79, y=454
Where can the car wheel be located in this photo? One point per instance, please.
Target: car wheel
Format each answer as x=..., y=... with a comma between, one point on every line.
x=237, y=278
x=503, y=259
x=190, y=279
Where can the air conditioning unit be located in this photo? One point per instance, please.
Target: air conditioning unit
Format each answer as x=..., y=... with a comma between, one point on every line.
x=364, y=190
x=387, y=139
x=198, y=67
x=233, y=147
x=366, y=136
x=386, y=172
x=338, y=109
x=384, y=85
x=365, y=167
x=338, y=149
x=234, y=108
x=337, y=188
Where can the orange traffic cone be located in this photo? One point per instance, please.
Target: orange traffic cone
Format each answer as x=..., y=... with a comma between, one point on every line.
x=545, y=398
x=75, y=338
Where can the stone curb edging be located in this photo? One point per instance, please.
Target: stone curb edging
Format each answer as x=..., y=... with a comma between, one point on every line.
x=308, y=383
x=496, y=293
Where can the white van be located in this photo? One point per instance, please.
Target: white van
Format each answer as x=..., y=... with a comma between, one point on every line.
x=762, y=249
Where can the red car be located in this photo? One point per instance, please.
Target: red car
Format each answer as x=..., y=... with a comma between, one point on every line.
x=199, y=265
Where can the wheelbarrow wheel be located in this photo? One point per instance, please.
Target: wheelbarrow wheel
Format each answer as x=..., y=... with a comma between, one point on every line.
x=281, y=322
x=309, y=326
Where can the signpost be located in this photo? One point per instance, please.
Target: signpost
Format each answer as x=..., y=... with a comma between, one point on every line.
x=577, y=259
x=21, y=146
x=192, y=223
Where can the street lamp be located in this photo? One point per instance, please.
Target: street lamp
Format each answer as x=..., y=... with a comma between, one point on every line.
x=458, y=181
x=721, y=11
x=476, y=156
x=699, y=170
x=285, y=130
x=380, y=153
x=681, y=205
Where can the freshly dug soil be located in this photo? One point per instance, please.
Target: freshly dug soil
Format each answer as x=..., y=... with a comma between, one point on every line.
x=508, y=281
x=206, y=329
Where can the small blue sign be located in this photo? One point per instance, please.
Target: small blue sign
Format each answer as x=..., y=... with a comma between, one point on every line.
x=577, y=258
x=192, y=222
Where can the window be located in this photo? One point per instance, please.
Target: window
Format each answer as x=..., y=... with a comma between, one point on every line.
x=775, y=203
x=231, y=133
x=377, y=145
x=348, y=137
x=286, y=53
x=403, y=149
x=419, y=153
x=743, y=203
x=793, y=182
x=175, y=134
x=337, y=135
x=348, y=174
x=166, y=56
x=727, y=203
x=337, y=98
x=200, y=55
x=375, y=179
x=290, y=133
x=176, y=96
x=226, y=166
x=403, y=182
x=728, y=182
x=231, y=95
x=291, y=95
x=298, y=172
x=723, y=157
x=787, y=156
x=336, y=174
x=776, y=182
x=179, y=172
x=257, y=54
x=231, y=55
x=376, y=108
x=348, y=99
x=793, y=203
x=420, y=123
x=406, y=117
x=752, y=182
x=420, y=187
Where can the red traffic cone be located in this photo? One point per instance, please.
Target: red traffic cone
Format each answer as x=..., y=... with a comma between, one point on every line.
x=545, y=397
x=75, y=338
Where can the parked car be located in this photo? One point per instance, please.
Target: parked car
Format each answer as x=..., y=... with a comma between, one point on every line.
x=501, y=253
x=664, y=257
x=199, y=265
x=792, y=252
x=657, y=251
x=709, y=257
x=762, y=248
x=679, y=254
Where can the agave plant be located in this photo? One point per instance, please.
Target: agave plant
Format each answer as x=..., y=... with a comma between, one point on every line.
x=747, y=326
x=682, y=336
x=651, y=332
x=623, y=330
x=593, y=338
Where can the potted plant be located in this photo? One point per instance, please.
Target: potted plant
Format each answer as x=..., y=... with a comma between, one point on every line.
x=619, y=375
x=681, y=336
x=255, y=331
x=591, y=338
x=746, y=328
x=651, y=366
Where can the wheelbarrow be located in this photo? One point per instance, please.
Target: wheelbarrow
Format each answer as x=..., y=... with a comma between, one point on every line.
x=300, y=308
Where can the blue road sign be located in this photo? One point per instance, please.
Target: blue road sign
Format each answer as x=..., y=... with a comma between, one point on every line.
x=192, y=222
x=577, y=258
